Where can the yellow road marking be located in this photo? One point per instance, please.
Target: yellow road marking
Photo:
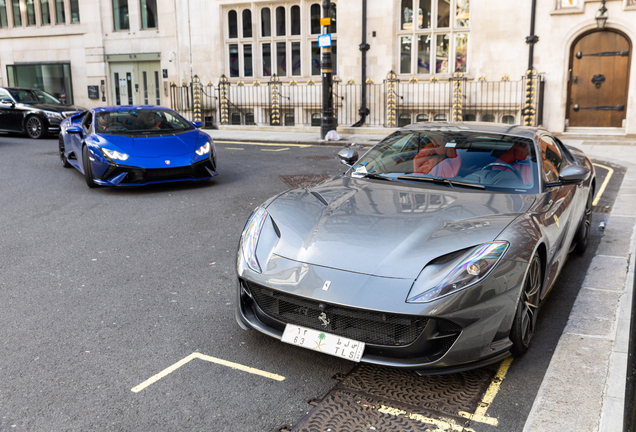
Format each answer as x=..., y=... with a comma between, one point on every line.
x=195, y=355
x=283, y=149
x=449, y=425
x=480, y=412
x=262, y=144
x=233, y=148
x=610, y=172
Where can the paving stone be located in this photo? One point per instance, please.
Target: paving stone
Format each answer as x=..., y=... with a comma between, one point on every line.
x=606, y=272
x=625, y=205
x=579, y=362
x=617, y=237
x=612, y=416
x=617, y=375
x=594, y=313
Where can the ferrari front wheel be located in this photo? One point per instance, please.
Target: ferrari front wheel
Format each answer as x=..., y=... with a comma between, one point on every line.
x=583, y=233
x=63, y=157
x=523, y=326
x=88, y=170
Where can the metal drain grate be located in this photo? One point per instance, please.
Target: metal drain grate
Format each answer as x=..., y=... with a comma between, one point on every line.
x=393, y=399
x=319, y=158
x=297, y=181
x=602, y=209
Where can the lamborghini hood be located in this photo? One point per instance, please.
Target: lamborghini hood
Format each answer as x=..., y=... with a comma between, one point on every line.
x=156, y=145
x=387, y=229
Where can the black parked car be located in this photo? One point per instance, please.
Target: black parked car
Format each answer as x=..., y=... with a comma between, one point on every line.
x=32, y=111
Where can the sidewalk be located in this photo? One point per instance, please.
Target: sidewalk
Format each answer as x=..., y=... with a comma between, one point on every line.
x=584, y=386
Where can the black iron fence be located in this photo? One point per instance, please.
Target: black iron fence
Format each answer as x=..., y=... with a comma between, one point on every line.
x=392, y=103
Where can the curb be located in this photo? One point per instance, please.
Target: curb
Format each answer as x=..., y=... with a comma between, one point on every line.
x=584, y=385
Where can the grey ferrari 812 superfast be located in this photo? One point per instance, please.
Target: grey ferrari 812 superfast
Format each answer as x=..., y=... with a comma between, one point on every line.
x=433, y=251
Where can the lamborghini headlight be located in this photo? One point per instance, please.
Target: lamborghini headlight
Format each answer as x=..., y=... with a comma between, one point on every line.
x=204, y=149
x=115, y=155
x=470, y=271
x=249, y=238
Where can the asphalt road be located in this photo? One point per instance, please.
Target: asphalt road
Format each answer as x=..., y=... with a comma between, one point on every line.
x=102, y=289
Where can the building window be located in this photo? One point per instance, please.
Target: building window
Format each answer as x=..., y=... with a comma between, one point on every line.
x=295, y=20
x=60, y=17
x=266, y=22
x=441, y=30
x=267, y=60
x=17, y=18
x=280, y=21
x=149, y=14
x=52, y=78
x=508, y=119
x=333, y=28
x=120, y=15
x=232, y=21
x=421, y=118
x=4, y=23
x=315, y=18
x=247, y=23
x=44, y=10
x=30, y=9
x=75, y=17
x=282, y=44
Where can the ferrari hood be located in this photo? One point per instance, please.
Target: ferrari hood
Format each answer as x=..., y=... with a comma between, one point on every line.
x=156, y=145
x=387, y=229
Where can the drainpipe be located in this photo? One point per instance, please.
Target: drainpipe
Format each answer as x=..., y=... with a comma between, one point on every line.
x=364, y=47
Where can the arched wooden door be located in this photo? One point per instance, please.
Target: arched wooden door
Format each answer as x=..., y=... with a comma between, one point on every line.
x=598, y=79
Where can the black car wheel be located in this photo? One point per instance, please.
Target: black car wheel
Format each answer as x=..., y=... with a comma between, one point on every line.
x=88, y=171
x=583, y=233
x=527, y=310
x=34, y=127
x=63, y=158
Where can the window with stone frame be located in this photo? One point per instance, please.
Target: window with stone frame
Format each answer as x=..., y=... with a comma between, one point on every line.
x=274, y=39
x=433, y=36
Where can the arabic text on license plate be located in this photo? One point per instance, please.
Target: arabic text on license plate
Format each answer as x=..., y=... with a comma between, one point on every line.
x=324, y=342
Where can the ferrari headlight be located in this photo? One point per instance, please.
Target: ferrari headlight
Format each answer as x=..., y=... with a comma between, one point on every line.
x=53, y=115
x=112, y=154
x=249, y=238
x=204, y=149
x=473, y=269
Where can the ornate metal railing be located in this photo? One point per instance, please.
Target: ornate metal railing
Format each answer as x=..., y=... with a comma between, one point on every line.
x=392, y=103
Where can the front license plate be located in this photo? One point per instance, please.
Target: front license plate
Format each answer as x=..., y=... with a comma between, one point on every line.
x=324, y=342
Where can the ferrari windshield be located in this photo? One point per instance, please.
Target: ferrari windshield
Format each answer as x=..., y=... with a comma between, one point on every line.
x=32, y=96
x=140, y=121
x=494, y=161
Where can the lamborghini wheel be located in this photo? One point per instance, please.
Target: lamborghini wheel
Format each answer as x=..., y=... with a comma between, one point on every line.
x=88, y=170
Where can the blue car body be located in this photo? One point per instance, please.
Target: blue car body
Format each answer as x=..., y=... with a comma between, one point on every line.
x=161, y=157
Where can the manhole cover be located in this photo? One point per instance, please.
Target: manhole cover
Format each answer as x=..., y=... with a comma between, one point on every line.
x=296, y=181
x=393, y=399
x=319, y=158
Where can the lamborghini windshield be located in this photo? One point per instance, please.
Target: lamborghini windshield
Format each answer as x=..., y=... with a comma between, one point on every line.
x=494, y=161
x=140, y=121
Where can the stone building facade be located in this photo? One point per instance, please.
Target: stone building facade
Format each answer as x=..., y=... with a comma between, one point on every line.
x=131, y=50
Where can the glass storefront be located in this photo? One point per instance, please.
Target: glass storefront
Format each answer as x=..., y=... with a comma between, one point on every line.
x=53, y=78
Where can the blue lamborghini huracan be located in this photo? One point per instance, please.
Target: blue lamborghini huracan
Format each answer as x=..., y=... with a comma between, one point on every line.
x=136, y=146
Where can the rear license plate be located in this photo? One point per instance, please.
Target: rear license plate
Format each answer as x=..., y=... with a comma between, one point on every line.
x=323, y=342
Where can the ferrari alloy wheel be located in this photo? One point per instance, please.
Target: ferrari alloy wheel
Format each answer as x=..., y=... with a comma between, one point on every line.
x=525, y=320
x=63, y=158
x=88, y=170
x=34, y=127
x=583, y=233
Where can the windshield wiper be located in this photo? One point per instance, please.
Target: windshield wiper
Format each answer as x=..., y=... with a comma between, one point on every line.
x=440, y=180
x=373, y=176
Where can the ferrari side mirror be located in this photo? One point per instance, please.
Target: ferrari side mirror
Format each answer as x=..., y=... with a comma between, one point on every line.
x=574, y=174
x=348, y=156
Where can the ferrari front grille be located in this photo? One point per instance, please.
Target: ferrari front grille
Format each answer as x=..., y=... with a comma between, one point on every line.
x=377, y=328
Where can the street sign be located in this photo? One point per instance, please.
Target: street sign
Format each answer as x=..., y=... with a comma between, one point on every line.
x=325, y=21
x=324, y=41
